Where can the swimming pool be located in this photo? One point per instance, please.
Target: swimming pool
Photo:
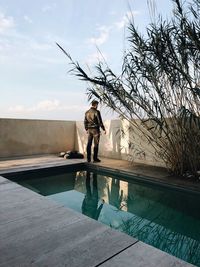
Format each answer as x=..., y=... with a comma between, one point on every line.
x=164, y=218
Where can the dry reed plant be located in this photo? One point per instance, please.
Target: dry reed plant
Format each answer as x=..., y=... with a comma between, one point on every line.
x=158, y=89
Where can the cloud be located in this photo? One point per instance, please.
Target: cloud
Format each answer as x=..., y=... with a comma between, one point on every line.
x=104, y=31
x=49, y=7
x=96, y=57
x=28, y=19
x=39, y=46
x=19, y=48
x=6, y=23
x=17, y=108
x=113, y=12
x=126, y=18
x=45, y=106
x=103, y=36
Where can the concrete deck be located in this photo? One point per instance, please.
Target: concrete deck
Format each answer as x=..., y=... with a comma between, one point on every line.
x=36, y=231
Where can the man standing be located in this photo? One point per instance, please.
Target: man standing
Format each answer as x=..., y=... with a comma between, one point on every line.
x=93, y=123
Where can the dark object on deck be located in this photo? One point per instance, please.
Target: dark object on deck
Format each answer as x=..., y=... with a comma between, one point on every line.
x=71, y=155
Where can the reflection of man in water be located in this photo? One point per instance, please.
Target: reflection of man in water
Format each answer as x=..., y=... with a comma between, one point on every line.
x=90, y=202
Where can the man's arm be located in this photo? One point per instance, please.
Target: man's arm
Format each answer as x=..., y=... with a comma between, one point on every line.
x=100, y=120
x=86, y=122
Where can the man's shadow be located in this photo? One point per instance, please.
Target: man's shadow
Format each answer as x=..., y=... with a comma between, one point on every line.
x=90, y=203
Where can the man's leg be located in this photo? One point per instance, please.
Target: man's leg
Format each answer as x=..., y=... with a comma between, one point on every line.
x=96, y=144
x=89, y=144
x=88, y=187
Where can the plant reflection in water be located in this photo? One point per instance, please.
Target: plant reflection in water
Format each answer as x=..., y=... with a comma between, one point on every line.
x=159, y=217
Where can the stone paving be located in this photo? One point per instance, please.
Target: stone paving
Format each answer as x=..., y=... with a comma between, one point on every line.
x=36, y=231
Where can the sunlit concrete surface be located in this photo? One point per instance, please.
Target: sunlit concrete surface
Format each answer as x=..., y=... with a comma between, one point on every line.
x=34, y=162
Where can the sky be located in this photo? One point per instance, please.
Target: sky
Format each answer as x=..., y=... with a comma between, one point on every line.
x=34, y=74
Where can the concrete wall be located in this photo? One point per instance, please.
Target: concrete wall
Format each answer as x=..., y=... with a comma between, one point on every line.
x=30, y=137
x=116, y=145
x=20, y=137
x=109, y=143
x=135, y=147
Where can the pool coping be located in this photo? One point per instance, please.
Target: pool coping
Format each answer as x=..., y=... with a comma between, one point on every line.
x=81, y=165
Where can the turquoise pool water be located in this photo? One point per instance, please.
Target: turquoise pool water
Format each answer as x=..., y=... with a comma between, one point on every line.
x=166, y=219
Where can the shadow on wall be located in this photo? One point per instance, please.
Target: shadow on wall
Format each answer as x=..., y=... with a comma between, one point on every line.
x=116, y=145
x=110, y=144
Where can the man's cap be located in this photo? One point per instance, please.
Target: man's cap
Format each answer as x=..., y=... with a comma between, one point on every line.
x=94, y=102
